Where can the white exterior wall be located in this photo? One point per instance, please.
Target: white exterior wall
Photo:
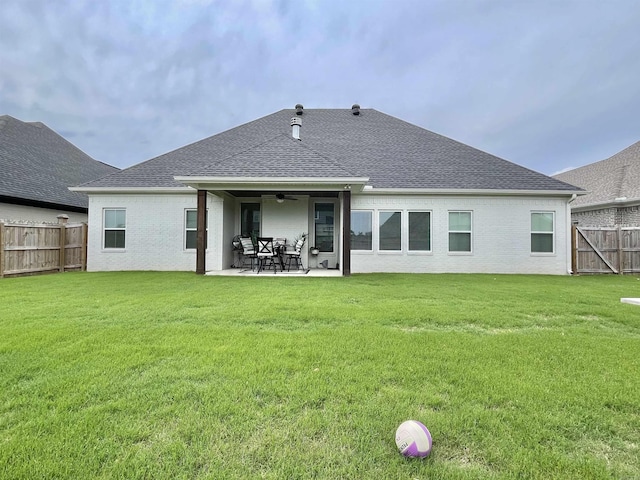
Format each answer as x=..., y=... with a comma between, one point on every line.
x=500, y=239
x=19, y=213
x=286, y=220
x=501, y=233
x=155, y=233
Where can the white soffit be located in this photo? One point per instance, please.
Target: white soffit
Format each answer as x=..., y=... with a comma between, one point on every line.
x=355, y=184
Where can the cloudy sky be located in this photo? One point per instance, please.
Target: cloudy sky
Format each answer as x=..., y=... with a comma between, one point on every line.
x=547, y=84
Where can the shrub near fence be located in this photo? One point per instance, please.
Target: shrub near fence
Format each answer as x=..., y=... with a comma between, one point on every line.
x=28, y=249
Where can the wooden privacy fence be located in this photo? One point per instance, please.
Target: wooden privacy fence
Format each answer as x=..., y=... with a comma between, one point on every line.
x=28, y=249
x=606, y=250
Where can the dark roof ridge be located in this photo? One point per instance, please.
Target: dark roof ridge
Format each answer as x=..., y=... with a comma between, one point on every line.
x=240, y=152
x=315, y=152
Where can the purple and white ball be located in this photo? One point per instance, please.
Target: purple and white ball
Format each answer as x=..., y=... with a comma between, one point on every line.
x=413, y=439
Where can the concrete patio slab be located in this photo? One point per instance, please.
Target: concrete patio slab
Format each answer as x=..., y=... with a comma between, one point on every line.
x=239, y=272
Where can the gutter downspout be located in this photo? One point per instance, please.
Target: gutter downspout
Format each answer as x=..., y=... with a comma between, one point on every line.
x=571, y=240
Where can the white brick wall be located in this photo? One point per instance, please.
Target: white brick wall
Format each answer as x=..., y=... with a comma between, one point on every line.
x=501, y=236
x=155, y=233
x=287, y=220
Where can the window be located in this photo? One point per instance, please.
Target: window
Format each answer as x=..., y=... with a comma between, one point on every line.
x=390, y=231
x=419, y=231
x=361, y=230
x=542, y=232
x=250, y=219
x=460, y=231
x=324, y=226
x=191, y=229
x=115, y=223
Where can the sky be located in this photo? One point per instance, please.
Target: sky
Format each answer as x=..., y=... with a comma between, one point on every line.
x=548, y=84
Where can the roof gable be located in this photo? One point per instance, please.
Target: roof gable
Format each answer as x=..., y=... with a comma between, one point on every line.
x=279, y=156
x=612, y=180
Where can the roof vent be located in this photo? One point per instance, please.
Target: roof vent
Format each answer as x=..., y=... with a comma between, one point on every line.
x=296, y=123
x=355, y=109
x=299, y=109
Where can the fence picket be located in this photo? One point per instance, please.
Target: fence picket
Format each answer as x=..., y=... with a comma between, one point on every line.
x=27, y=248
x=601, y=250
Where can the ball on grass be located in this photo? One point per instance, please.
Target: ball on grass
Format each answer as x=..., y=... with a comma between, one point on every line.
x=413, y=439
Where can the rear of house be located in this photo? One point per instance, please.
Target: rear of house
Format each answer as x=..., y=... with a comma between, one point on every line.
x=373, y=194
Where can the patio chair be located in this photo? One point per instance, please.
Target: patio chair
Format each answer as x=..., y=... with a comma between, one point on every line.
x=266, y=254
x=295, y=254
x=248, y=251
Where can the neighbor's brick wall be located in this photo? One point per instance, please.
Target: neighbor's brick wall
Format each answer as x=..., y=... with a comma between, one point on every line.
x=155, y=234
x=628, y=216
x=605, y=217
x=609, y=217
x=501, y=236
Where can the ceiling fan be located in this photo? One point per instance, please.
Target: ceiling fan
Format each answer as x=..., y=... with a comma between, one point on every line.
x=281, y=197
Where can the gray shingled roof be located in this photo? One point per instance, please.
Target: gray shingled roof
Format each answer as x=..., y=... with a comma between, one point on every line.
x=38, y=165
x=617, y=177
x=390, y=152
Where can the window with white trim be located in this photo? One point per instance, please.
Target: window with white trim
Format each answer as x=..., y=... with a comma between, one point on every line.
x=191, y=229
x=390, y=231
x=361, y=230
x=459, y=232
x=114, y=227
x=542, y=232
x=419, y=231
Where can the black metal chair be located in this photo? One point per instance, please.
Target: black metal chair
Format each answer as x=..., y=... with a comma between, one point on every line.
x=266, y=254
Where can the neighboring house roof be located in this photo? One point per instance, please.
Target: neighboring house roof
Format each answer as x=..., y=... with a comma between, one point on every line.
x=615, y=180
x=38, y=166
x=390, y=153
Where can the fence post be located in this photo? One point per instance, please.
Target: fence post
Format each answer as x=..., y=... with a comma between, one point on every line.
x=85, y=238
x=62, y=221
x=620, y=252
x=1, y=249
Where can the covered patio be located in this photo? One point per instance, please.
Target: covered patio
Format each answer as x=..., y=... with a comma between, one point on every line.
x=283, y=207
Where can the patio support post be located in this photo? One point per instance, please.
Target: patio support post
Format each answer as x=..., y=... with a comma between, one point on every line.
x=201, y=226
x=346, y=233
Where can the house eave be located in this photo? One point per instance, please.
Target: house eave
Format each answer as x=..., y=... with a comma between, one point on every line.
x=27, y=202
x=368, y=190
x=145, y=190
x=610, y=204
x=274, y=184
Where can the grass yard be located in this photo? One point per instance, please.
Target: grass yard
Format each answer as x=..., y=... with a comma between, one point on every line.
x=178, y=376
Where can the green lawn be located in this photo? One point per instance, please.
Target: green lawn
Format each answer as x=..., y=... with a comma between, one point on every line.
x=179, y=376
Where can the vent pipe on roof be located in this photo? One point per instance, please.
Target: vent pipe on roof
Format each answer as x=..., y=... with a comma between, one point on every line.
x=299, y=109
x=296, y=123
x=355, y=109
